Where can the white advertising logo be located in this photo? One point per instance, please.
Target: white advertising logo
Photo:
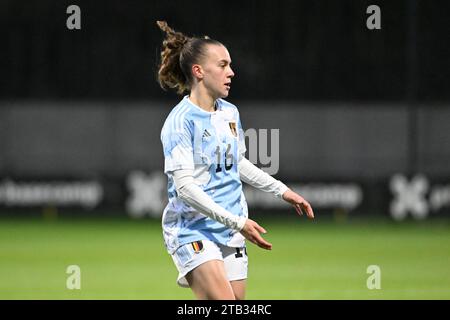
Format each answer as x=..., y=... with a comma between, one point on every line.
x=409, y=197
x=145, y=194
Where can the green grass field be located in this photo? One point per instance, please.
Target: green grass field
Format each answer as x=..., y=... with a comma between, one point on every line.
x=126, y=259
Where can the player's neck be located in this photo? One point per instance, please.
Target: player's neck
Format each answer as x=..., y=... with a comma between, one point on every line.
x=203, y=100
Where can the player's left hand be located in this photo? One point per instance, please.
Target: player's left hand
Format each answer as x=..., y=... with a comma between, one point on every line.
x=299, y=203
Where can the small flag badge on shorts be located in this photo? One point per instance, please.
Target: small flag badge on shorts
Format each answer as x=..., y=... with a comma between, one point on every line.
x=197, y=246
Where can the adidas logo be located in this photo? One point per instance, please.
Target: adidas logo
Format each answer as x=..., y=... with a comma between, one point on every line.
x=206, y=134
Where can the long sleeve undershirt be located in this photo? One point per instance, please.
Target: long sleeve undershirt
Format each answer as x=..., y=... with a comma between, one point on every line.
x=192, y=194
x=254, y=176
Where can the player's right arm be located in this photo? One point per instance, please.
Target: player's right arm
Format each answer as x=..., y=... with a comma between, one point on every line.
x=193, y=195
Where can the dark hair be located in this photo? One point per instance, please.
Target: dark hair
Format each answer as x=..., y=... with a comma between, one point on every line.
x=178, y=54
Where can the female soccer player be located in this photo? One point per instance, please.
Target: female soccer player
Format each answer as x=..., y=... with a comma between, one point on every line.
x=206, y=222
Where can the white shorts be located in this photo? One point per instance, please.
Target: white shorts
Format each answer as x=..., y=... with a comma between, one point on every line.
x=191, y=255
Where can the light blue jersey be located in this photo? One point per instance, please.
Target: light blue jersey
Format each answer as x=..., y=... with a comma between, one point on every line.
x=211, y=144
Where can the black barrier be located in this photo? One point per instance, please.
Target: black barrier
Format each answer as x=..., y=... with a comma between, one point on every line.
x=142, y=194
x=251, y=309
x=44, y=59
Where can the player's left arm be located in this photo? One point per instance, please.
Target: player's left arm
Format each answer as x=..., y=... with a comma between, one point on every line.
x=254, y=176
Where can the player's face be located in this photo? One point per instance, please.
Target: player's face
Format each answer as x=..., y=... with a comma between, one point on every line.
x=217, y=72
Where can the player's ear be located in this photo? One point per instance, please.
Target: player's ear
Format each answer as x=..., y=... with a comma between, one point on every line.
x=197, y=71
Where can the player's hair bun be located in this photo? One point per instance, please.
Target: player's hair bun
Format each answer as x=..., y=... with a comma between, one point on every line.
x=178, y=54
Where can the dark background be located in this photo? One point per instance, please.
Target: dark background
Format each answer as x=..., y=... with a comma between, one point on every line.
x=288, y=50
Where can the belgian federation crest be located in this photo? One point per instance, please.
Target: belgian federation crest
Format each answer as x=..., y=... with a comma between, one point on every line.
x=197, y=246
x=232, y=125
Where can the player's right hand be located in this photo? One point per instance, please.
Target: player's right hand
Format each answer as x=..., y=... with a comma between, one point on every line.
x=251, y=231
